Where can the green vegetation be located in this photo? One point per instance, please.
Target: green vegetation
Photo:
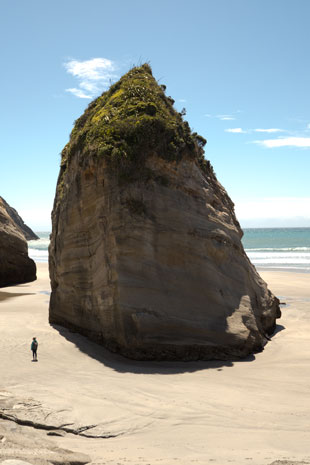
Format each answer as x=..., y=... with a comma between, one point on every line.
x=130, y=121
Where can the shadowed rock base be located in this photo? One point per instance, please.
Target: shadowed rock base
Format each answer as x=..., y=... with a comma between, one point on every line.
x=15, y=265
x=167, y=352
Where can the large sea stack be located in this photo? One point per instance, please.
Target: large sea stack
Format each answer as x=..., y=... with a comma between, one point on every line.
x=15, y=265
x=146, y=255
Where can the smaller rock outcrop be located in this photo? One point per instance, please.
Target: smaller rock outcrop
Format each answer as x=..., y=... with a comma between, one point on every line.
x=15, y=265
x=33, y=413
x=18, y=221
x=21, y=446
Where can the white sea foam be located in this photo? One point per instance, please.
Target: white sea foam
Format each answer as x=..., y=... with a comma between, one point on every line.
x=41, y=244
x=297, y=258
x=279, y=255
x=279, y=249
x=275, y=260
x=38, y=255
x=38, y=250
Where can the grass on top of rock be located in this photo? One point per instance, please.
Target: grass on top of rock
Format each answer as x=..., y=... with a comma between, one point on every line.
x=132, y=119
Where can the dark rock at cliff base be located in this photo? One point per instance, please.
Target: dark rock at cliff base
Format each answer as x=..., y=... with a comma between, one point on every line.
x=18, y=221
x=15, y=265
x=146, y=254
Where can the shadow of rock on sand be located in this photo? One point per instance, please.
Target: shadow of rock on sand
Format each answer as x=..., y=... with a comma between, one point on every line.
x=7, y=295
x=124, y=365
x=278, y=329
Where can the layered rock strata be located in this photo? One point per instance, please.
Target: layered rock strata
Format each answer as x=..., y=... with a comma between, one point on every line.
x=15, y=265
x=21, y=446
x=27, y=232
x=32, y=413
x=146, y=254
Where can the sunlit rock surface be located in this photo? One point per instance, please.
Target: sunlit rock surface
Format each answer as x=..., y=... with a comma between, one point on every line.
x=146, y=255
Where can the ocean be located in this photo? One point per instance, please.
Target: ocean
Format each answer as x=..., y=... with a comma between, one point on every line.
x=38, y=250
x=286, y=249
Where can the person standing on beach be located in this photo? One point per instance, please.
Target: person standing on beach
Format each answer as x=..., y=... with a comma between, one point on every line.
x=34, y=348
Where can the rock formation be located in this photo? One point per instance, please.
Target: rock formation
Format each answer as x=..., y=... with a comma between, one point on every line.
x=18, y=221
x=15, y=265
x=146, y=255
x=31, y=412
x=22, y=446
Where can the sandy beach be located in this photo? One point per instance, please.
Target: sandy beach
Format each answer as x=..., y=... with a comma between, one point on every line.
x=252, y=411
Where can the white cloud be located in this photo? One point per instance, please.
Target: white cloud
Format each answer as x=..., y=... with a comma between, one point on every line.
x=273, y=211
x=226, y=117
x=93, y=76
x=78, y=92
x=183, y=100
x=88, y=85
x=221, y=117
x=236, y=130
x=268, y=130
x=285, y=142
x=94, y=69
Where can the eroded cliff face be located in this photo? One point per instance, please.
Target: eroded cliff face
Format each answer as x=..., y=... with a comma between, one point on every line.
x=15, y=265
x=28, y=234
x=146, y=255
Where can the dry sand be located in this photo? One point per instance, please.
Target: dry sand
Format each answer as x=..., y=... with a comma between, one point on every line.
x=254, y=411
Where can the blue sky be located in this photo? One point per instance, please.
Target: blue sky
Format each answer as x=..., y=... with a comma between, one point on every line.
x=239, y=67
